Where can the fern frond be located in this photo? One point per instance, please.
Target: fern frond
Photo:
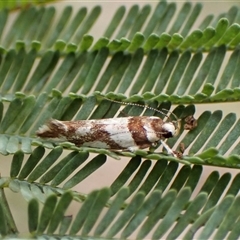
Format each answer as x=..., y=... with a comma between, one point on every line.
x=173, y=212
x=179, y=78
x=44, y=177
x=202, y=144
x=159, y=32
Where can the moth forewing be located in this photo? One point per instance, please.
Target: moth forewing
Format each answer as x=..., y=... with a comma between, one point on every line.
x=125, y=133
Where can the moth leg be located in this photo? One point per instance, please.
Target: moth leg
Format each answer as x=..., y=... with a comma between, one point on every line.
x=141, y=146
x=181, y=149
x=155, y=144
x=118, y=150
x=169, y=150
x=133, y=149
x=124, y=114
x=130, y=149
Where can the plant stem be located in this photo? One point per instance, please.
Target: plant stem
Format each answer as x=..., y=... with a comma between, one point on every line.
x=12, y=228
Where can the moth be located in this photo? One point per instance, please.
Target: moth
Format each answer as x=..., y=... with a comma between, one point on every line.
x=123, y=133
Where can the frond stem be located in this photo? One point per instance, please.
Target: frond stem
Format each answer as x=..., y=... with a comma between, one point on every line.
x=12, y=228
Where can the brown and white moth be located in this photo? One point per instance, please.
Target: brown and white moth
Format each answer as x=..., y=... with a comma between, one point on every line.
x=124, y=133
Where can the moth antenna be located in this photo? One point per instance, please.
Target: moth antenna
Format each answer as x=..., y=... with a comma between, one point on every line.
x=147, y=107
x=136, y=132
x=175, y=116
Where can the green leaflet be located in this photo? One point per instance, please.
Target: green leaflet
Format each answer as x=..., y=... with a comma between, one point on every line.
x=33, y=209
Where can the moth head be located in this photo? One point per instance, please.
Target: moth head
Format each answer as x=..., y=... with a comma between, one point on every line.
x=171, y=129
